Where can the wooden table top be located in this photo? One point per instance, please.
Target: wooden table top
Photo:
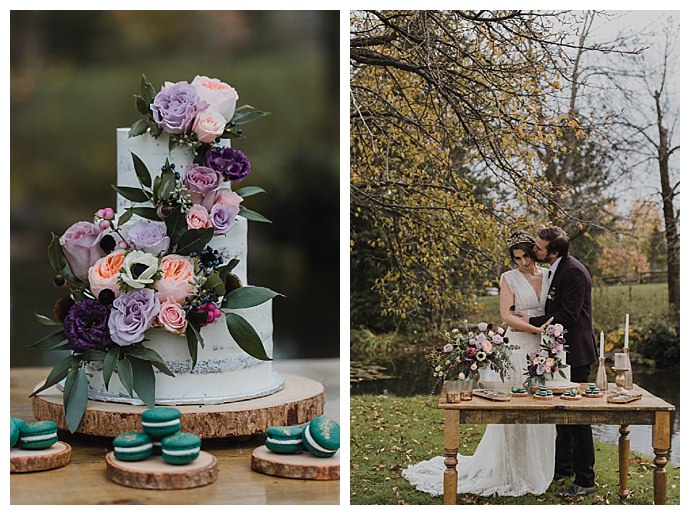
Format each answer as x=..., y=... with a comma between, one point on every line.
x=84, y=480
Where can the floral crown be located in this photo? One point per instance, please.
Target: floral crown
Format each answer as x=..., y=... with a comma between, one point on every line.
x=520, y=237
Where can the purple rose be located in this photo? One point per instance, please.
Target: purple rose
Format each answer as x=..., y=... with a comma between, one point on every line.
x=86, y=326
x=149, y=237
x=550, y=330
x=81, y=245
x=233, y=164
x=176, y=106
x=540, y=369
x=133, y=313
x=223, y=218
x=202, y=182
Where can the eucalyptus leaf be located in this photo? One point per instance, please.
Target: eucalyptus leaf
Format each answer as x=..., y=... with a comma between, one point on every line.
x=48, y=342
x=248, y=296
x=93, y=355
x=146, y=354
x=192, y=344
x=245, y=117
x=124, y=218
x=176, y=225
x=253, y=215
x=144, y=382
x=149, y=213
x=75, y=403
x=138, y=128
x=133, y=194
x=124, y=372
x=57, y=374
x=70, y=382
x=248, y=191
x=109, y=363
x=245, y=336
x=194, y=240
x=44, y=320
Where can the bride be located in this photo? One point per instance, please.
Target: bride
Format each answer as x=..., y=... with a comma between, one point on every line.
x=511, y=459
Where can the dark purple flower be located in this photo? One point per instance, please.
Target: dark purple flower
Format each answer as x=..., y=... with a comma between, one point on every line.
x=176, y=106
x=86, y=326
x=532, y=370
x=233, y=164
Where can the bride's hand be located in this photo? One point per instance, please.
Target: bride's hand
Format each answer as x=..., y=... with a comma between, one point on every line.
x=542, y=329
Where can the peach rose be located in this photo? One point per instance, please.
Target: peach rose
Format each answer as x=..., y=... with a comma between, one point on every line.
x=104, y=272
x=177, y=279
x=172, y=318
x=208, y=125
x=197, y=217
x=220, y=96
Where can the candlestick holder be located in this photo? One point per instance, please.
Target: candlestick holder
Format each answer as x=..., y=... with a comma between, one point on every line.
x=620, y=381
x=601, y=381
x=628, y=372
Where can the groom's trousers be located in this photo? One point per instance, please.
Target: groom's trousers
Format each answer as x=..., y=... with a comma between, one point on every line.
x=574, y=443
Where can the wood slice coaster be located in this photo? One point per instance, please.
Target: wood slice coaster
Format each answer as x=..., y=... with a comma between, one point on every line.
x=593, y=395
x=296, y=466
x=155, y=474
x=543, y=397
x=300, y=401
x=26, y=460
x=519, y=394
x=623, y=399
x=571, y=398
x=492, y=395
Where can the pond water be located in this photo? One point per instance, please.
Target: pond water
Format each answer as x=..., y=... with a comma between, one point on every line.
x=412, y=376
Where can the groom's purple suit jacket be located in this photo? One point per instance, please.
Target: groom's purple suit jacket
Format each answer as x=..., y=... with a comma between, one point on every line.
x=570, y=304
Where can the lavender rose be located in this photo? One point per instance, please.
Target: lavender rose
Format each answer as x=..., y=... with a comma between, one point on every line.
x=223, y=218
x=233, y=164
x=202, y=182
x=81, y=246
x=176, y=106
x=148, y=237
x=133, y=313
x=86, y=326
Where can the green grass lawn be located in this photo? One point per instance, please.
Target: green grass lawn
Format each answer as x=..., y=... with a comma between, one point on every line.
x=390, y=433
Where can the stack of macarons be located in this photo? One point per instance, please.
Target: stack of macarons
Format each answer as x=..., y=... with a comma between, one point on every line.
x=321, y=437
x=161, y=435
x=543, y=393
x=32, y=435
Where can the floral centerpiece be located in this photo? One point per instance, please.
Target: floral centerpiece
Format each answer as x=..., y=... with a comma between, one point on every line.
x=469, y=350
x=547, y=359
x=152, y=267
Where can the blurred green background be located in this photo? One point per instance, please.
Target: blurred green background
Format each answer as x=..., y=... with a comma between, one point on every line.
x=73, y=76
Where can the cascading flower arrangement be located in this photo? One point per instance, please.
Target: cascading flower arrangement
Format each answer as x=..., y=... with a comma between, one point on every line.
x=152, y=267
x=547, y=359
x=470, y=349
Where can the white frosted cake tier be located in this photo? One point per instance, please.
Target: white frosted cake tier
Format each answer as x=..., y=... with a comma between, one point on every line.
x=557, y=380
x=223, y=371
x=153, y=152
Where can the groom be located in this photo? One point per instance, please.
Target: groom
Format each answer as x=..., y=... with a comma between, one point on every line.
x=569, y=302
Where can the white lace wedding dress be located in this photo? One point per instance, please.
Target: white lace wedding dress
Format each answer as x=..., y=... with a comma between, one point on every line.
x=511, y=459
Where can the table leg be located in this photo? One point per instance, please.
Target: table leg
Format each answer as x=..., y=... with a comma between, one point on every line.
x=451, y=437
x=661, y=441
x=623, y=460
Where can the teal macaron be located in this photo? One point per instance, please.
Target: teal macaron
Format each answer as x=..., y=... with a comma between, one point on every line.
x=133, y=446
x=161, y=422
x=285, y=439
x=180, y=448
x=38, y=435
x=322, y=437
x=14, y=433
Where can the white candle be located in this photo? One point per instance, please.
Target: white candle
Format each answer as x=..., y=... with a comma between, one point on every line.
x=601, y=345
x=619, y=361
x=627, y=322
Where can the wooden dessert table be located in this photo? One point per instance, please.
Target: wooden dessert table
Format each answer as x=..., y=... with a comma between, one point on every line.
x=84, y=479
x=649, y=410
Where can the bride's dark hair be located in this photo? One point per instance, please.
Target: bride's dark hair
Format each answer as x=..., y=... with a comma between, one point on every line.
x=521, y=240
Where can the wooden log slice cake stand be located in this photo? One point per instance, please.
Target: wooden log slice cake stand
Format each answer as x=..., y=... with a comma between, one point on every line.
x=155, y=474
x=25, y=460
x=300, y=401
x=296, y=466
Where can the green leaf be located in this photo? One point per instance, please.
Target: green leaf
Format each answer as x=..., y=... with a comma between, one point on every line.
x=44, y=320
x=192, y=343
x=146, y=354
x=215, y=283
x=156, y=186
x=124, y=372
x=240, y=118
x=245, y=336
x=146, y=90
x=93, y=355
x=124, y=218
x=138, y=128
x=253, y=215
x=56, y=256
x=58, y=373
x=149, y=213
x=141, y=105
x=248, y=191
x=248, y=296
x=133, y=194
x=155, y=128
x=50, y=341
x=167, y=185
x=224, y=270
x=142, y=172
x=75, y=402
x=144, y=382
x=194, y=240
x=109, y=363
x=176, y=225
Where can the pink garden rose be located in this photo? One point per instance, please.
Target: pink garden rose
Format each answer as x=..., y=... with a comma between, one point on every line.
x=81, y=246
x=208, y=126
x=202, y=183
x=220, y=97
x=228, y=198
x=177, y=280
x=172, y=318
x=197, y=217
x=103, y=274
